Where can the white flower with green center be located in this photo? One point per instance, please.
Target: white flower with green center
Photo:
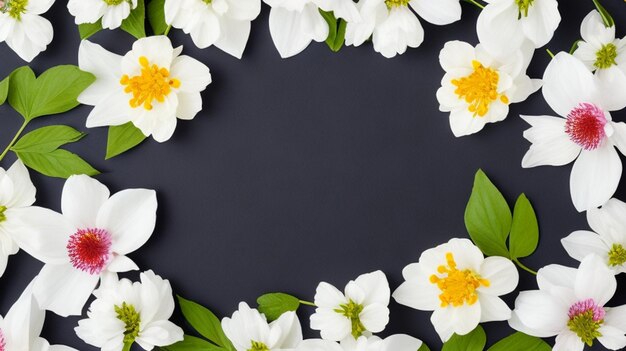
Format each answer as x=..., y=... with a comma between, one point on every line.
x=609, y=222
x=398, y=342
x=394, y=27
x=223, y=23
x=360, y=310
x=112, y=12
x=504, y=25
x=24, y=30
x=249, y=330
x=570, y=304
x=124, y=313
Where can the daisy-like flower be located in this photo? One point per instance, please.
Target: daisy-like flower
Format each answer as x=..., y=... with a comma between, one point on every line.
x=223, y=23
x=248, y=330
x=151, y=86
x=393, y=26
x=20, y=328
x=609, y=222
x=112, y=12
x=570, y=304
x=398, y=342
x=125, y=313
x=93, y=236
x=362, y=307
x=23, y=29
x=503, y=26
x=17, y=193
x=585, y=134
x=601, y=52
x=478, y=88
x=461, y=286
x=295, y=24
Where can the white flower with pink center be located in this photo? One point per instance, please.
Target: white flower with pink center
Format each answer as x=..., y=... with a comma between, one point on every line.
x=92, y=237
x=570, y=304
x=586, y=133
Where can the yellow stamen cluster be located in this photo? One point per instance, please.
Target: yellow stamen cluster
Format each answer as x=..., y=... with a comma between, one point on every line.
x=458, y=287
x=15, y=8
x=154, y=83
x=396, y=3
x=258, y=346
x=479, y=89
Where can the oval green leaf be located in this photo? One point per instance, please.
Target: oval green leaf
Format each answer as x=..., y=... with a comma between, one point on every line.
x=86, y=30
x=47, y=139
x=474, y=341
x=4, y=89
x=275, y=304
x=58, y=163
x=135, y=23
x=520, y=342
x=123, y=138
x=156, y=16
x=524, y=230
x=204, y=322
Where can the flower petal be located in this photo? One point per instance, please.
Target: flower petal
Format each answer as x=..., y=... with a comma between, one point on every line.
x=82, y=198
x=64, y=289
x=194, y=76
x=502, y=275
x=594, y=280
x=582, y=243
x=551, y=145
x=440, y=12
x=493, y=309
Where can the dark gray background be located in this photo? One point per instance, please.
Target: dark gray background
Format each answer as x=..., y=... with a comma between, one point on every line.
x=319, y=167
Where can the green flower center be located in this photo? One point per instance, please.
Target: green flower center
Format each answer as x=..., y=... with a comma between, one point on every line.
x=208, y=2
x=114, y=2
x=617, y=255
x=524, y=5
x=352, y=311
x=586, y=327
x=396, y=3
x=257, y=346
x=605, y=57
x=15, y=8
x=132, y=320
x=3, y=217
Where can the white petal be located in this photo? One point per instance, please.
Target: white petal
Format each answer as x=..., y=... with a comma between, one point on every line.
x=327, y=296
x=291, y=331
x=440, y=12
x=556, y=276
x=493, y=309
x=399, y=31
x=456, y=54
x=375, y=286
x=81, y=200
x=612, y=85
x=293, y=31
x=160, y=333
x=122, y=264
x=157, y=49
x=609, y=221
x=463, y=122
x=189, y=104
x=581, y=243
x=194, y=76
x=419, y=294
x=619, y=136
x=551, y=145
x=612, y=338
x=502, y=275
x=63, y=289
x=541, y=312
x=103, y=64
x=375, y=317
x=568, y=341
x=542, y=20
x=401, y=342
x=23, y=189
x=498, y=28
x=234, y=36
x=593, y=30
x=30, y=36
x=616, y=317
x=112, y=110
x=594, y=280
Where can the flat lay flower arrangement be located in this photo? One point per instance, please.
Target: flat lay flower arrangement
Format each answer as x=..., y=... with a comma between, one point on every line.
x=144, y=92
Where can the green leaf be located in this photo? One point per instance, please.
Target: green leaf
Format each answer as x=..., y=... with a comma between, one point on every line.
x=606, y=16
x=574, y=46
x=474, y=341
x=275, y=304
x=123, y=138
x=4, y=89
x=525, y=229
x=488, y=217
x=337, y=31
x=520, y=342
x=135, y=23
x=204, y=322
x=156, y=16
x=47, y=139
x=55, y=91
x=191, y=343
x=424, y=347
x=58, y=163
x=86, y=30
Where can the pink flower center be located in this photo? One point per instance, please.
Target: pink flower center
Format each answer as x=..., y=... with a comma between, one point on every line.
x=3, y=342
x=584, y=306
x=585, y=126
x=89, y=250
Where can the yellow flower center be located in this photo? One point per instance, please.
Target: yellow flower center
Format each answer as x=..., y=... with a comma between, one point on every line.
x=396, y=3
x=258, y=346
x=352, y=311
x=15, y=8
x=617, y=254
x=458, y=287
x=3, y=217
x=479, y=89
x=154, y=83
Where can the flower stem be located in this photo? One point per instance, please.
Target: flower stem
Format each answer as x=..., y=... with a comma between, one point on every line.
x=550, y=53
x=308, y=303
x=476, y=3
x=127, y=346
x=520, y=265
x=167, y=31
x=17, y=135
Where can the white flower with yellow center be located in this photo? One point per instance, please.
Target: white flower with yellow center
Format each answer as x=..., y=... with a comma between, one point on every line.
x=504, y=26
x=151, y=86
x=23, y=29
x=112, y=12
x=461, y=286
x=223, y=23
x=478, y=88
x=393, y=26
x=360, y=310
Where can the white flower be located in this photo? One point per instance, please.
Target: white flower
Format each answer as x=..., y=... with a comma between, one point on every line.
x=601, y=52
x=126, y=312
x=294, y=24
x=478, y=88
x=585, y=134
x=248, y=330
x=362, y=308
x=223, y=23
x=394, y=27
x=20, y=328
x=17, y=193
x=399, y=342
x=112, y=12
x=503, y=26
x=461, y=286
x=23, y=29
x=92, y=237
x=610, y=242
x=570, y=304
x=150, y=86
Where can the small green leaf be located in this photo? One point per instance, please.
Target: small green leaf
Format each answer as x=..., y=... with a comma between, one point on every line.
x=191, y=343
x=23, y=83
x=520, y=342
x=4, y=89
x=525, y=229
x=424, y=347
x=275, y=304
x=574, y=46
x=135, y=23
x=204, y=322
x=474, y=341
x=123, y=138
x=58, y=163
x=606, y=16
x=47, y=139
x=336, y=31
x=86, y=30
x=156, y=16
x=488, y=217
